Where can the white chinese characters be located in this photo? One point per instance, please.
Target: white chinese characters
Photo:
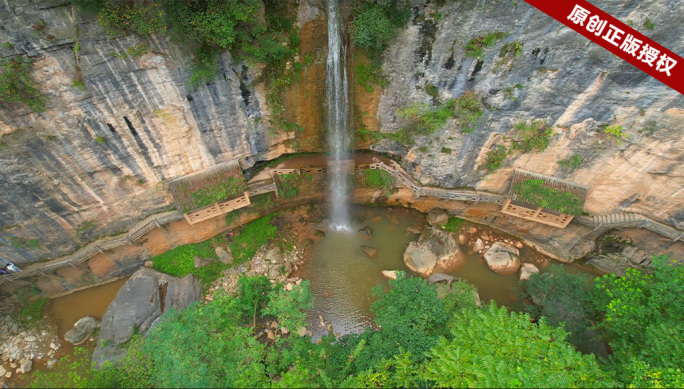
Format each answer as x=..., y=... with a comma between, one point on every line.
x=629, y=45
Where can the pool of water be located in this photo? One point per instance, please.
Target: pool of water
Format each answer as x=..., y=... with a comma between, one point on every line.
x=67, y=309
x=342, y=275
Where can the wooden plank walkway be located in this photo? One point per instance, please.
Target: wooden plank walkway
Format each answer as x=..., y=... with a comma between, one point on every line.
x=615, y=220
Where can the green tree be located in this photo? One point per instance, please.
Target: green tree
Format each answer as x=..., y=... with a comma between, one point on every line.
x=564, y=299
x=644, y=320
x=491, y=347
x=253, y=294
x=203, y=346
x=411, y=318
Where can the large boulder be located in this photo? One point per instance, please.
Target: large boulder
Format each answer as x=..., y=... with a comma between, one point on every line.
x=370, y=251
x=527, y=270
x=434, y=251
x=503, y=258
x=138, y=304
x=437, y=217
x=224, y=255
x=82, y=330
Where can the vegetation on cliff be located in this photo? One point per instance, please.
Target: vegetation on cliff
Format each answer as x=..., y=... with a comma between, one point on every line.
x=17, y=85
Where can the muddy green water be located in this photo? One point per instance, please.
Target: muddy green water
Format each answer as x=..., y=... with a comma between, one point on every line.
x=342, y=275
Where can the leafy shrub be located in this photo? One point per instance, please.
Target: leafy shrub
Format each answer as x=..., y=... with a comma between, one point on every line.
x=648, y=23
x=643, y=318
x=143, y=20
x=534, y=192
x=534, y=136
x=374, y=25
x=468, y=111
x=496, y=158
x=446, y=150
x=491, y=347
x=511, y=48
x=475, y=47
x=616, y=132
x=564, y=299
x=204, y=66
x=572, y=162
x=18, y=86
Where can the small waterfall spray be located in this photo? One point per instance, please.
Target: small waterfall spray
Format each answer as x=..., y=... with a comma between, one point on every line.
x=337, y=121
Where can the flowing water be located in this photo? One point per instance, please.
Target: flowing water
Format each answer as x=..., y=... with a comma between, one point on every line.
x=337, y=100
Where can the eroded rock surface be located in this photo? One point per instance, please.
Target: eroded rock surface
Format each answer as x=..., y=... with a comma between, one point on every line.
x=138, y=304
x=434, y=251
x=82, y=330
x=503, y=258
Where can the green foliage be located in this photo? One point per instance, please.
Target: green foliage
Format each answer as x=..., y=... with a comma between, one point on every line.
x=411, y=317
x=71, y=371
x=204, y=66
x=18, y=86
x=513, y=48
x=616, y=132
x=7, y=45
x=254, y=235
x=534, y=192
x=32, y=312
x=289, y=306
x=468, y=111
x=78, y=84
x=86, y=225
x=564, y=299
x=137, y=51
x=374, y=24
x=491, y=347
x=454, y=224
x=572, y=162
x=378, y=178
x=475, y=47
x=462, y=295
x=135, y=17
x=650, y=128
x=445, y=150
x=100, y=139
x=288, y=185
x=367, y=75
x=648, y=23
x=203, y=346
x=252, y=296
x=496, y=158
x=534, y=136
x=132, y=371
x=180, y=261
x=364, y=135
x=644, y=316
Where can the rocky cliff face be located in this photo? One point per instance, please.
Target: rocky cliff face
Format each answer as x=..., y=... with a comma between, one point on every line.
x=558, y=76
x=95, y=161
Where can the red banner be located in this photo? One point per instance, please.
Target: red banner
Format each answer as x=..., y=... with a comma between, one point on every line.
x=618, y=38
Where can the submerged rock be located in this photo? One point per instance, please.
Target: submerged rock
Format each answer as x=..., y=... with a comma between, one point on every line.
x=365, y=233
x=137, y=305
x=437, y=217
x=527, y=270
x=503, y=258
x=370, y=251
x=82, y=330
x=434, y=251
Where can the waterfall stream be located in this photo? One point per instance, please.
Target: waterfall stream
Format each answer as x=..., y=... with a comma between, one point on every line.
x=337, y=100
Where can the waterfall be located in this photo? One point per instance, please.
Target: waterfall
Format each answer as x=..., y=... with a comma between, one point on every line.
x=337, y=99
